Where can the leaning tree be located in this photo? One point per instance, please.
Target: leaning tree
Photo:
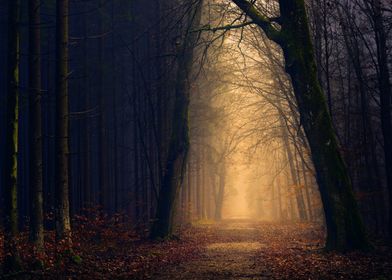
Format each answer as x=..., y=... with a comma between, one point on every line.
x=290, y=31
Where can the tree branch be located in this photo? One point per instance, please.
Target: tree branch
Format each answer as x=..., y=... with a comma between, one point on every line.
x=262, y=21
x=225, y=27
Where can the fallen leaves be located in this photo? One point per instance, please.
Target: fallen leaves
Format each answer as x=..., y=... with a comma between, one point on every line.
x=108, y=248
x=296, y=252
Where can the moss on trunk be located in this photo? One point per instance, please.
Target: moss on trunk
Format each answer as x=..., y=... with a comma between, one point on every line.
x=345, y=230
x=344, y=225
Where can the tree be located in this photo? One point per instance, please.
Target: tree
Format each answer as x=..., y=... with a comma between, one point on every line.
x=36, y=214
x=179, y=140
x=102, y=139
x=385, y=94
x=12, y=261
x=345, y=230
x=63, y=225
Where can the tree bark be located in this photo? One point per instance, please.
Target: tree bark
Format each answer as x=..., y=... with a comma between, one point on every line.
x=179, y=140
x=36, y=181
x=345, y=230
x=102, y=138
x=63, y=225
x=12, y=261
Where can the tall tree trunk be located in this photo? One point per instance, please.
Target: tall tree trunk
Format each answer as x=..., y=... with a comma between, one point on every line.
x=198, y=184
x=102, y=138
x=63, y=225
x=179, y=140
x=385, y=97
x=12, y=261
x=189, y=186
x=345, y=230
x=204, y=195
x=36, y=182
x=87, y=185
x=114, y=109
x=278, y=199
x=220, y=195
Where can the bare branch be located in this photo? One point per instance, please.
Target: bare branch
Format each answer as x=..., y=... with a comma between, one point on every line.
x=225, y=28
x=262, y=21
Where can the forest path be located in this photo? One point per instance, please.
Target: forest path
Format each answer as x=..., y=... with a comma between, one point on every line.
x=229, y=254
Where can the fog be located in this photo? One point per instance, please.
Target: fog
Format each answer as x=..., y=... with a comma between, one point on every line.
x=244, y=115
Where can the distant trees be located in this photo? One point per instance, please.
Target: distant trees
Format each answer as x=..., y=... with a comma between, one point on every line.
x=179, y=140
x=10, y=189
x=385, y=88
x=346, y=32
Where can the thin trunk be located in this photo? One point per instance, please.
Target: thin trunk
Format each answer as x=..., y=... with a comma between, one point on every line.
x=189, y=185
x=102, y=138
x=87, y=186
x=114, y=108
x=36, y=181
x=198, y=185
x=278, y=186
x=10, y=191
x=220, y=195
x=204, y=196
x=63, y=225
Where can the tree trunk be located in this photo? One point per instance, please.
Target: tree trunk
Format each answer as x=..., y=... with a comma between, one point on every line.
x=189, y=186
x=344, y=225
x=12, y=261
x=221, y=194
x=179, y=140
x=385, y=97
x=345, y=230
x=295, y=180
x=114, y=109
x=279, y=198
x=102, y=138
x=307, y=187
x=87, y=162
x=36, y=181
x=63, y=225
x=198, y=185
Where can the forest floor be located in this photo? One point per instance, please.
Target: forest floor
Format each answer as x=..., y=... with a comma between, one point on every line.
x=232, y=249
x=243, y=249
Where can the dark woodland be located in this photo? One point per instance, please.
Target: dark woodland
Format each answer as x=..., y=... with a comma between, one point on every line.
x=196, y=139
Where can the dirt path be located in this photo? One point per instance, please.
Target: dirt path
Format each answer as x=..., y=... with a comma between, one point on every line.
x=231, y=254
x=244, y=249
